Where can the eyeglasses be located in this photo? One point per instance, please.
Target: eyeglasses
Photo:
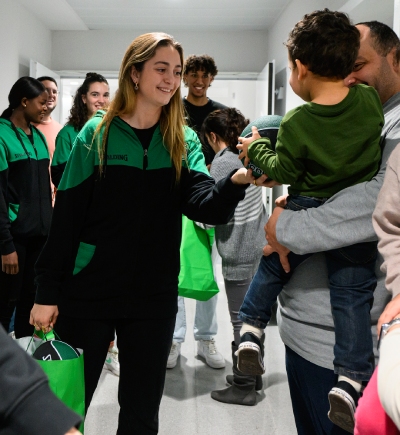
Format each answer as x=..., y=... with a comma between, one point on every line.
x=52, y=91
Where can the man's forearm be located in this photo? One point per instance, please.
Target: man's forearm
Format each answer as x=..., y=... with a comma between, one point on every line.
x=345, y=219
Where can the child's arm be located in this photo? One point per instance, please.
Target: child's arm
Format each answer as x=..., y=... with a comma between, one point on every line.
x=244, y=144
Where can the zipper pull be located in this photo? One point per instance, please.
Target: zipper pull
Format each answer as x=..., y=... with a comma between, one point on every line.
x=145, y=161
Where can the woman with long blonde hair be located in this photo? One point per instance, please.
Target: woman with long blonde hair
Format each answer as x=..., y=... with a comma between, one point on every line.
x=112, y=258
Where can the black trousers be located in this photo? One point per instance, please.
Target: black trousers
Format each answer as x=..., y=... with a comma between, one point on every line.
x=309, y=386
x=18, y=291
x=144, y=347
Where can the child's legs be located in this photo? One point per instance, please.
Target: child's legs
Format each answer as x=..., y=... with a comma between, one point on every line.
x=264, y=289
x=352, y=284
x=270, y=277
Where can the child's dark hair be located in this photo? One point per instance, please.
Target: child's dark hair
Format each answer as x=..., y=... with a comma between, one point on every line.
x=25, y=87
x=202, y=62
x=49, y=79
x=384, y=39
x=79, y=113
x=227, y=124
x=326, y=42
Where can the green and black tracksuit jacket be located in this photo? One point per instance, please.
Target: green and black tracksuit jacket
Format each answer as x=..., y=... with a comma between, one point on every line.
x=64, y=142
x=113, y=248
x=25, y=196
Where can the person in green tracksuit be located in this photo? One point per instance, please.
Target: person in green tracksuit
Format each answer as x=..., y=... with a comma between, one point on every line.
x=111, y=261
x=25, y=200
x=92, y=95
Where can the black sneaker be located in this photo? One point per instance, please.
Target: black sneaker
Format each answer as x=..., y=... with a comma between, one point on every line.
x=250, y=355
x=343, y=400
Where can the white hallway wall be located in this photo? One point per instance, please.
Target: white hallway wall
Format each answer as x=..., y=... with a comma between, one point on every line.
x=103, y=50
x=22, y=37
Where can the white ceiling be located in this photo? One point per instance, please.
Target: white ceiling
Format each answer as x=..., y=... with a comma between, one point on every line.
x=153, y=15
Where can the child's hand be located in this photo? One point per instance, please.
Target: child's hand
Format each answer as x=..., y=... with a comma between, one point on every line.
x=281, y=201
x=244, y=145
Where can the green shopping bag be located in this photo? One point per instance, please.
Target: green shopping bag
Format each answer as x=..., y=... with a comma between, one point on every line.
x=196, y=278
x=66, y=379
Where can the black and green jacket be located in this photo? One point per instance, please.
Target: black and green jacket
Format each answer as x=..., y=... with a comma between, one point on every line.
x=64, y=142
x=25, y=195
x=113, y=248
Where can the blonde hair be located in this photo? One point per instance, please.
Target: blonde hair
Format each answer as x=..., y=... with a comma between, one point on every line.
x=172, y=119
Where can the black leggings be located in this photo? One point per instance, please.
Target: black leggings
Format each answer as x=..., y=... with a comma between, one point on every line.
x=144, y=347
x=18, y=291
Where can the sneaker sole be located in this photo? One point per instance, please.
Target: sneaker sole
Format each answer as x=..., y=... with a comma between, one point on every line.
x=341, y=411
x=171, y=365
x=248, y=361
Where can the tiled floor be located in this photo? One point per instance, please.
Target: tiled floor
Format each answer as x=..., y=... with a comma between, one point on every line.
x=187, y=408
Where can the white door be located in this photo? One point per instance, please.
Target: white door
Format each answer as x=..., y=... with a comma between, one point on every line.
x=38, y=70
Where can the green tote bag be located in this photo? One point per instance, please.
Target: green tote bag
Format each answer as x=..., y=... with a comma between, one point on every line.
x=196, y=278
x=66, y=380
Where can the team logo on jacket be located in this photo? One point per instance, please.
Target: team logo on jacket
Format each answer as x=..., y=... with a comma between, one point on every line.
x=123, y=157
x=18, y=156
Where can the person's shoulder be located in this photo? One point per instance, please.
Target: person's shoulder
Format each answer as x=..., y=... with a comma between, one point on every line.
x=5, y=124
x=190, y=136
x=217, y=105
x=365, y=91
x=294, y=115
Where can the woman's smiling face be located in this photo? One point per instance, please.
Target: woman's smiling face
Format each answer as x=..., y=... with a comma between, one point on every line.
x=160, y=77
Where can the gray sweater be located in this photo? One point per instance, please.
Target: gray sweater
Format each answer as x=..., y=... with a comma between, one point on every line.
x=241, y=240
x=304, y=316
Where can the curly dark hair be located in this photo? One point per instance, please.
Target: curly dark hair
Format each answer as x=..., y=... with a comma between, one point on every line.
x=327, y=42
x=227, y=124
x=203, y=62
x=79, y=112
x=384, y=39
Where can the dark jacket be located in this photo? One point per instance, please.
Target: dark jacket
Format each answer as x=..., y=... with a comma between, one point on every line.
x=113, y=248
x=25, y=194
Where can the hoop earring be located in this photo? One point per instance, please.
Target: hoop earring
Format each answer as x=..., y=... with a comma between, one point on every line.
x=136, y=86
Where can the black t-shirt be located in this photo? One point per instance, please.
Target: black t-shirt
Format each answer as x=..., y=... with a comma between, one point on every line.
x=195, y=116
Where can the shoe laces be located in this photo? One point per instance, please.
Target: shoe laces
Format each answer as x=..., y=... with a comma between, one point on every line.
x=174, y=347
x=212, y=347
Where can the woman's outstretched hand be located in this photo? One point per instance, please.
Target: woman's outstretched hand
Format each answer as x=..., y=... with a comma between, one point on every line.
x=245, y=176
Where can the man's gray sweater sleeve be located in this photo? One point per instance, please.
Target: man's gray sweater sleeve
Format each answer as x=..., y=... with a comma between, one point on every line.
x=344, y=220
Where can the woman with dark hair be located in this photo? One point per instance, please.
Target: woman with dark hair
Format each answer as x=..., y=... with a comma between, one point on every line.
x=132, y=173
x=239, y=242
x=25, y=200
x=91, y=96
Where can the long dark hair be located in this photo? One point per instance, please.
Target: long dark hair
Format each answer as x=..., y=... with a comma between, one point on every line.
x=227, y=124
x=79, y=113
x=25, y=87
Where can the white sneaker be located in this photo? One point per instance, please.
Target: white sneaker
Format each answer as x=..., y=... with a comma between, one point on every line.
x=112, y=363
x=12, y=335
x=173, y=354
x=208, y=350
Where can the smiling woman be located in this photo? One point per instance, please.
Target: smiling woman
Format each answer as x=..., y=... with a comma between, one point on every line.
x=91, y=96
x=129, y=165
x=25, y=199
